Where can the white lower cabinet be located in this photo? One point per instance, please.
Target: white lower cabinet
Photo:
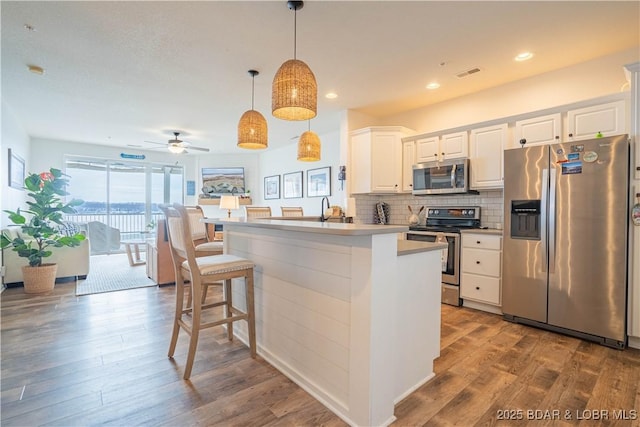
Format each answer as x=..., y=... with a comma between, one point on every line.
x=481, y=269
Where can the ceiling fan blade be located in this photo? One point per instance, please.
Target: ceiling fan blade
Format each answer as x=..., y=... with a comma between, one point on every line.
x=191, y=147
x=158, y=143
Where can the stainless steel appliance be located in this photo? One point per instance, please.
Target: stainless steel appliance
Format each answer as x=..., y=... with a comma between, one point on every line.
x=443, y=224
x=565, y=238
x=445, y=177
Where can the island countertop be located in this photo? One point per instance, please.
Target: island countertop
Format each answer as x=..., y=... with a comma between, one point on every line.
x=343, y=229
x=406, y=247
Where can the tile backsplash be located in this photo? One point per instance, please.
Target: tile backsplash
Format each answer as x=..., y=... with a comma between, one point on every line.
x=491, y=204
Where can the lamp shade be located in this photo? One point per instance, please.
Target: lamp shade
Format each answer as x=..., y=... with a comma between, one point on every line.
x=294, y=93
x=309, y=147
x=229, y=202
x=252, y=131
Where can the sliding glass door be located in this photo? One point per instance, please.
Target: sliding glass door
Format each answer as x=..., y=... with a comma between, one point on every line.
x=121, y=199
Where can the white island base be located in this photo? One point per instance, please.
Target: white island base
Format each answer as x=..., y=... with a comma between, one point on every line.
x=342, y=311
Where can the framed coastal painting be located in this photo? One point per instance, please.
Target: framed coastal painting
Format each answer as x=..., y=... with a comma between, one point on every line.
x=292, y=185
x=319, y=182
x=272, y=187
x=16, y=171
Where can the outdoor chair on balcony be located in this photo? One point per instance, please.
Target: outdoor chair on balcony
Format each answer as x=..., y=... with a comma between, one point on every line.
x=202, y=272
x=103, y=238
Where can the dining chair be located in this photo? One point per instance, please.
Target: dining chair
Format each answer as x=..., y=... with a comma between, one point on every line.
x=201, y=272
x=257, y=211
x=291, y=211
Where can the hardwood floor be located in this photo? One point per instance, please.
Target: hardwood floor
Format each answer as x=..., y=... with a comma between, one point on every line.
x=101, y=359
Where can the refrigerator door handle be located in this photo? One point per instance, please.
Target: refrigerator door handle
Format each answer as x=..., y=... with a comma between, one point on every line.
x=543, y=216
x=552, y=220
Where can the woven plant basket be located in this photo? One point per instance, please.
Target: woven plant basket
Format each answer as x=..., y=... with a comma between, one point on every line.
x=39, y=280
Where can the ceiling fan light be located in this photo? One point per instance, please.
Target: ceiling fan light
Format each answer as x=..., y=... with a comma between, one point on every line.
x=309, y=147
x=252, y=131
x=176, y=149
x=294, y=94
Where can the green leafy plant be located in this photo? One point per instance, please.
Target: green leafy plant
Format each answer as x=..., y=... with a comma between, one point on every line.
x=45, y=215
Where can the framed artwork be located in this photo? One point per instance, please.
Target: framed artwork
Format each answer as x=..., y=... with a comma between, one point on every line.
x=319, y=182
x=292, y=185
x=272, y=187
x=16, y=171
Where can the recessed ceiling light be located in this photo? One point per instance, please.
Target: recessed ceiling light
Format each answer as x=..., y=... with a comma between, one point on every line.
x=29, y=27
x=433, y=85
x=35, y=69
x=331, y=95
x=523, y=56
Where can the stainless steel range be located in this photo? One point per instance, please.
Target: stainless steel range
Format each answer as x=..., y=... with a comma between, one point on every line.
x=443, y=224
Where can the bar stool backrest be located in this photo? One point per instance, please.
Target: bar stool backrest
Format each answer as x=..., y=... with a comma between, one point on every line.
x=258, y=211
x=198, y=228
x=291, y=211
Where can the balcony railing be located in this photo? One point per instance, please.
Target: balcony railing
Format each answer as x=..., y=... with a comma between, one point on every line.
x=131, y=225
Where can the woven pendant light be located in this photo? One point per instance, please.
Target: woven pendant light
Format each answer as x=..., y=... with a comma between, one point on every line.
x=309, y=147
x=294, y=94
x=252, y=127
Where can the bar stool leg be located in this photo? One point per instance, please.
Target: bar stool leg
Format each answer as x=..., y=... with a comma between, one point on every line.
x=228, y=298
x=196, y=289
x=251, y=312
x=177, y=316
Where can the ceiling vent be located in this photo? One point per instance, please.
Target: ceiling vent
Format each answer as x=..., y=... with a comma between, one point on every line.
x=468, y=72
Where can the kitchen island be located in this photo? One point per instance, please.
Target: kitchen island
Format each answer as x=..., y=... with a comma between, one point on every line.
x=347, y=311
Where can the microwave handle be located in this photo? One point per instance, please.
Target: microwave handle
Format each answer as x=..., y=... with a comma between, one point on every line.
x=453, y=176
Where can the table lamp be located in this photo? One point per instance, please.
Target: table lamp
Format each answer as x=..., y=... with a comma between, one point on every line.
x=229, y=202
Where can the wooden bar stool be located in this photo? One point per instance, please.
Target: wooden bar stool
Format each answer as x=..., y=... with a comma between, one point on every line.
x=202, y=272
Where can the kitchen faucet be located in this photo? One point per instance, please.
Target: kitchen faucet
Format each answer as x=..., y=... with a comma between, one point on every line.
x=322, y=219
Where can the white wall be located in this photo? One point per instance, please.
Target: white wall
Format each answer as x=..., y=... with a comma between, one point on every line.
x=15, y=138
x=592, y=79
x=284, y=160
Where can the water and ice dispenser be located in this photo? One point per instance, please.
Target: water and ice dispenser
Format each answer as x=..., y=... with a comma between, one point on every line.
x=525, y=219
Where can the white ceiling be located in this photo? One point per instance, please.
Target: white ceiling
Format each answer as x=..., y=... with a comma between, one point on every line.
x=120, y=73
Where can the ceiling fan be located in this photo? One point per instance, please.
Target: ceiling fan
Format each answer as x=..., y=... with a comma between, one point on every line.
x=178, y=146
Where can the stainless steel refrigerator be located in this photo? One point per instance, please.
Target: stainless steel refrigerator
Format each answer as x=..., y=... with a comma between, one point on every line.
x=566, y=221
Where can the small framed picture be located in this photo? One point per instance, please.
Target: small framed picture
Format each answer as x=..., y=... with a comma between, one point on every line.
x=272, y=187
x=319, y=182
x=16, y=171
x=292, y=185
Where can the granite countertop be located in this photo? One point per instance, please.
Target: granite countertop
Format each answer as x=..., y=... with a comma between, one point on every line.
x=312, y=226
x=406, y=247
x=493, y=231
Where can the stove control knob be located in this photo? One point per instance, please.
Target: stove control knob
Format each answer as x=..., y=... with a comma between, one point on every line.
x=436, y=212
x=430, y=211
x=470, y=212
x=464, y=212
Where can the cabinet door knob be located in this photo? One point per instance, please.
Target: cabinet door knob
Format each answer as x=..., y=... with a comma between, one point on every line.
x=478, y=242
x=477, y=288
x=477, y=262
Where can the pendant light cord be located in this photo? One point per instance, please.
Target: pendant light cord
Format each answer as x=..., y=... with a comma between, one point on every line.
x=253, y=88
x=295, y=24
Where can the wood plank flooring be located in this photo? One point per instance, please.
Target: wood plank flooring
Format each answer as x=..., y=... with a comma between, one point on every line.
x=101, y=360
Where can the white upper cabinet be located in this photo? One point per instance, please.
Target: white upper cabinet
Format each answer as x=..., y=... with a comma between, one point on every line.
x=449, y=146
x=538, y=131
x=455, y=145
x=408, y=159
x=585, y=123
x=486, y=156
x=427, y=149
x=376, y=159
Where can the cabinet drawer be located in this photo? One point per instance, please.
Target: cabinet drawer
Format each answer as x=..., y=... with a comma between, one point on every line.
x=480, y=288
x=481, y=261
x=482, y=241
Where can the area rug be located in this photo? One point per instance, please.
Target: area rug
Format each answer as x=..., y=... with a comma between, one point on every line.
x=109, y=273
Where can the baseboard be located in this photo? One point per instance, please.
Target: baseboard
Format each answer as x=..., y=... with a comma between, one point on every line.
x=414, y=388
x=480, y=306
x=634, y=342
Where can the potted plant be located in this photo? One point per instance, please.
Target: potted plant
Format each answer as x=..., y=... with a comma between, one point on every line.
x=40, y=230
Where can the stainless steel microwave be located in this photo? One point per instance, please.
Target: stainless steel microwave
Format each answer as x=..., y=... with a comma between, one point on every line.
x=448, y=176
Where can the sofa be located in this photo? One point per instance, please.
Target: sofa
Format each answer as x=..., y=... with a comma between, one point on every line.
x=72, y=261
